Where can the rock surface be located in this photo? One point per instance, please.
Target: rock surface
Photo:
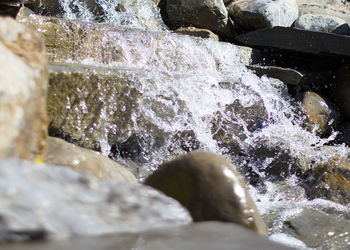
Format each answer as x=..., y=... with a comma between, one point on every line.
x=64, y=203
x=203, y=33
x=321, y=114
x=300, y=41
x=210, y=188
x=63, y=153
x=323, y=23
x=206, y=14
x=197, y=236
x=23, y=86
x=259, y=14
x=330, y=180
x=315, y=227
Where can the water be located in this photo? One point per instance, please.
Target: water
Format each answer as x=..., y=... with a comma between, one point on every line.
x=202, y=86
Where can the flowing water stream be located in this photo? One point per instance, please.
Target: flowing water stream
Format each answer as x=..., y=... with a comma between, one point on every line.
x=202, y=86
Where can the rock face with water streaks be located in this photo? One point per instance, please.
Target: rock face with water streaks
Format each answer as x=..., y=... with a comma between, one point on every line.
x=63, y=153
x=253, y=15
x=23, y=86
x=64, y=203
x=210, y=188
x=206, y=14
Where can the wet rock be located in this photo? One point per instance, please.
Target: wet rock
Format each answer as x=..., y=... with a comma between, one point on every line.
x=23, y=86
x=330, y=180
x=132, y=14
x=286, y=75
x=260, y=14
x=336, y=8
x=192, y=31
x=341, y=92
x=196, y=236
x=204, y=14
x=65, y=203
x=298, y=41
x=322, y=23
x=321, y=114
x=315, y=228
x=63, y=153
x=210, y=188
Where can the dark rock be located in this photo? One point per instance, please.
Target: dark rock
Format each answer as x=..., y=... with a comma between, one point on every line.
x=315, y=227
x=210, y=188
x=321, y=115
x=259, y=14
x=288, y=76
x=299, y=41
x=330, y=180
x=206, y=14
x=197, y=236
x=64, y=203
x=341, y=92
x=323, y=23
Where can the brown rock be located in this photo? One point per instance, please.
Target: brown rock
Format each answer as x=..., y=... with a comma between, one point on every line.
x=330, y=180
x=23, y=86
x=321, y=114
x=210, y=188
x=63, y=153
x=192, y=31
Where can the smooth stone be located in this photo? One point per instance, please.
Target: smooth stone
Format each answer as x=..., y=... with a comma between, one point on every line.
x=259, y=14
x=322, y=23
x=192, y=31
x=23, y=89
x=64, y=203
x=314, y=227
x=62, y=153
x=321, y=115
x=299, y=41
x=337, y=8
x=330, y=180
x=340, y=93
x=205, y=14
x=286, y=75
x=196, y=236
x=210, y=188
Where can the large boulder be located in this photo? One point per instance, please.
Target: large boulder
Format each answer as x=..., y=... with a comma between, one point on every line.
x=61, y=203
x=336, y=8
x=210, y=188
x=258, y=14
x=23, y=87
x=323, y=23
x=63, y=153
x=206, y=14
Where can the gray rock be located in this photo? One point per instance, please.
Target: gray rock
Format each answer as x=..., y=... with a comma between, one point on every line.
x=297, y=40
x=323, y=23
x=314, y=228
x=206, y=14
x=210, y=188
x=23, y=88
x=336, y=8
x=63, y=153
x=64, y=203
x=197, y=236
x=258, y=14
x=286, y=75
